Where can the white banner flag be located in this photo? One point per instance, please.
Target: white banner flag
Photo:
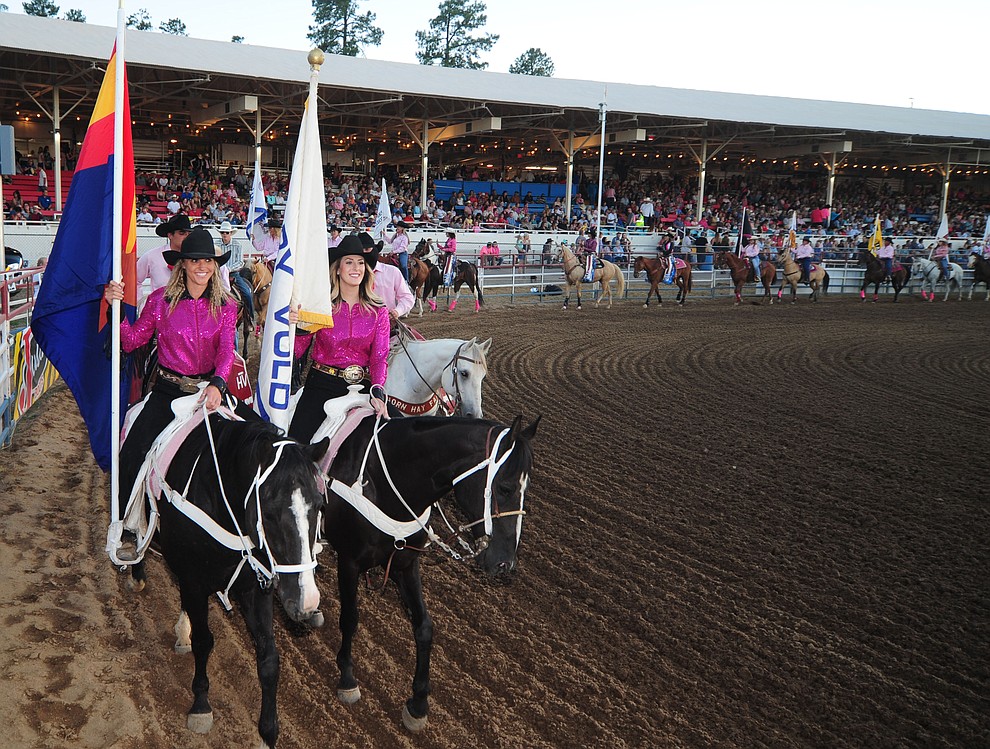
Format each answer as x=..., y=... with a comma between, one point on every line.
x=943, y=228
x=258, y=212
x=301, y=271
x=384, y=214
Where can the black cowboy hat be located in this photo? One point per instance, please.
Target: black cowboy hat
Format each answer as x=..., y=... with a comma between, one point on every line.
x=368, y=243
x=401, y=225
x=198, y=245
x=178, y=222
x=273, y=223
x=351, y=245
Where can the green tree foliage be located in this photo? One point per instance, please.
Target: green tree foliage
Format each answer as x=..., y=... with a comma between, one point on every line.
x=75, y=15
x=449, y=42
x=237, y=39
x=44, y=8
x=173, y=26
x=140, y=21
x=340, y=29
x=534, y=61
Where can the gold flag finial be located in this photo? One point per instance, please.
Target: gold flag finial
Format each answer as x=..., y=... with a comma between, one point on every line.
x=316, y=58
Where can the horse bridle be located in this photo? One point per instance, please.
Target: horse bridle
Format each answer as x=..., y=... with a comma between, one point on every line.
x=490, y=514
x=445, y=402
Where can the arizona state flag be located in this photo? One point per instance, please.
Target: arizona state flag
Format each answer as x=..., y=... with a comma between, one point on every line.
x=70, y=319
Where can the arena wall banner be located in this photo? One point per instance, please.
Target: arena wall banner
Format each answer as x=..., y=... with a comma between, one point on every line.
x=33, y=373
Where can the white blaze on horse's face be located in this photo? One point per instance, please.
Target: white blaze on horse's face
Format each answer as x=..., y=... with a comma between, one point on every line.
x=309, y=598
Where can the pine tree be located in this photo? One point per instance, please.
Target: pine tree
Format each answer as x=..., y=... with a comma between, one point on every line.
x=43, y=8
x=449, y=43
x=534, y=61
x=341, y=30
x=173, y=26
x=140, y=21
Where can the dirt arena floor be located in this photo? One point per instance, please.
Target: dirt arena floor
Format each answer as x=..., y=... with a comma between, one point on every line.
x=755, y=527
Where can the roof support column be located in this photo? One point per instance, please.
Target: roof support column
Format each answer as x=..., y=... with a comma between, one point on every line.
x=702, y=172
x=56, y=120
x=257, y=136
x=569, y=151
x=945, y=184
x=423, y=181
x=601, y=170
x=830, y=190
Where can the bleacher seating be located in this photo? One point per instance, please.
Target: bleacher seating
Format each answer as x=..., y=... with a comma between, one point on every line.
x=27, y=186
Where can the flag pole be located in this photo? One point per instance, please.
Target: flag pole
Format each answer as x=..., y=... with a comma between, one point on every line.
x=602, y=110
x=739, y=240
x=118, y=233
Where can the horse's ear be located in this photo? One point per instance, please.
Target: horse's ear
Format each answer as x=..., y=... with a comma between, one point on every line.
x=486, y=346
x=317, y=450
x=530, y=431
x=471, y=342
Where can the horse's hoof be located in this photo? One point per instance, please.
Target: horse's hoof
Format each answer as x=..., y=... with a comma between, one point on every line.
x=413, y=724
x=182, y=649
x=349, y=696
x=135, y=586
x=199, y=722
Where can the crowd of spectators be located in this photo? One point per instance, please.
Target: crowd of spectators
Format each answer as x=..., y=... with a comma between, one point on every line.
x=633, y=204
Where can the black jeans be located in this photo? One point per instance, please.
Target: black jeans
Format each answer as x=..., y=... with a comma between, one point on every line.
x=309, y=414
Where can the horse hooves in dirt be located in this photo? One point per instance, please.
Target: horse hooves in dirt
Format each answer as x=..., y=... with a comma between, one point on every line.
x=349, y=696
x=411, y=723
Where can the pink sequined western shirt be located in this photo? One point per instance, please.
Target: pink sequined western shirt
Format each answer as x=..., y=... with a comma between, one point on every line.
x=358, y=336
x=191, y=341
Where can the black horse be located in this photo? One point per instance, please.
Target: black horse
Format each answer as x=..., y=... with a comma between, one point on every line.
x=411, y=465
x=875, y=275
x=981, y=272
x=261, y=475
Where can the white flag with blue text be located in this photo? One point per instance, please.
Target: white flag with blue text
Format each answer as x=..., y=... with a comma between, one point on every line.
x=384, y=214
x=258, y=212
x=301, y=274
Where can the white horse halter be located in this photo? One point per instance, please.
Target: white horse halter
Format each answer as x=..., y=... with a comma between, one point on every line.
x=387, y=525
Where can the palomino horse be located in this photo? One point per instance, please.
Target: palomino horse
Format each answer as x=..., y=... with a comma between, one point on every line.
x=656, y=268
x=607, y=272
x=243, y=319
x=817, y=279
x=437, y=376
x=929, y=272
x=874, y=275
x=239, y=515
x=261, y=287
x=981, y=272
x=384, y=481
x=741, y=271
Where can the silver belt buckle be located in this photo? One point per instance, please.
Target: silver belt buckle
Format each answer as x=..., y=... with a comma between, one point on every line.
x=353, y=374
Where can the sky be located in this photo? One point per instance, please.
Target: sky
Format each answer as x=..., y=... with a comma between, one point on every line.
x=906, y=53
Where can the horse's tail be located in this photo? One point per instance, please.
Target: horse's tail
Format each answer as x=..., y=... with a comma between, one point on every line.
x=825, y=283
x=620, y=280
x=477, y=276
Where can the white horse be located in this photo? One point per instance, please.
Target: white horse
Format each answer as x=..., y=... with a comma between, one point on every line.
x=437, y=376
x=928, y=273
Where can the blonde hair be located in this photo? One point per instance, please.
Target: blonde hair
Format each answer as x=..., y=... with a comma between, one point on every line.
x=176, y=287
x=369, y=300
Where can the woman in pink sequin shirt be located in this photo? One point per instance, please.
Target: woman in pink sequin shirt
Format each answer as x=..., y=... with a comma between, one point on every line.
x=357, y=342
x=194, y=319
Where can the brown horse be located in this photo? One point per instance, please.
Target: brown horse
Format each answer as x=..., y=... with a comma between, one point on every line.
x=574, y=273
x=817, y=279
x=875, y=275
x=981, y=272
x=655, y=269
x=742, y=272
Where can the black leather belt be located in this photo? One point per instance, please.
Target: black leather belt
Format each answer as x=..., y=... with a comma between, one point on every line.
x=352, y=374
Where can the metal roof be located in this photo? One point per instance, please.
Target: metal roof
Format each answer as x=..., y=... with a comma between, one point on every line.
x=179, y=75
